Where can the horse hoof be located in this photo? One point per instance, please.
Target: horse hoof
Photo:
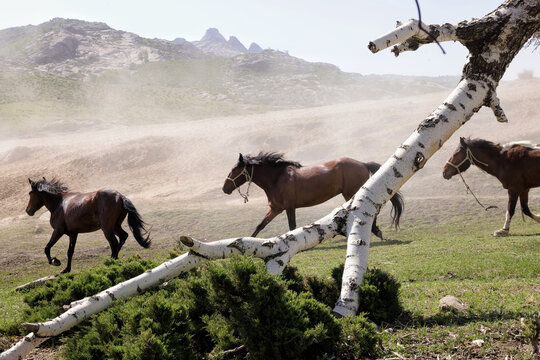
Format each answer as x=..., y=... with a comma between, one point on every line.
x=56, y=262
x=65, y=271
x=501, y=232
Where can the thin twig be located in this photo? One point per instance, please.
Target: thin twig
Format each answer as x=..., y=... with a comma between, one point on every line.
x=424, y=30
x=232, y=351
x=36, y=282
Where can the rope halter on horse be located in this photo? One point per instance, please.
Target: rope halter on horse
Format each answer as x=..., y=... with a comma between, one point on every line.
x=474, y=161
x=249, y=178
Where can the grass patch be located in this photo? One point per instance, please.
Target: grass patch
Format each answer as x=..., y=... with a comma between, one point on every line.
x=496, y=277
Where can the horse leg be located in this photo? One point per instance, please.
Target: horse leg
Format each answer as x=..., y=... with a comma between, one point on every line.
x=511, y=208
x=56, y=235
x=524, y=202
x=375, y=229
x=71, y=250
x=122, y=236
x=291, y=216
x=109, y=235
x=270, y=215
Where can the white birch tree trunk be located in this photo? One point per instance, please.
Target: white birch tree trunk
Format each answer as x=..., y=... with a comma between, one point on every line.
x=493, y=42
x=408, y=158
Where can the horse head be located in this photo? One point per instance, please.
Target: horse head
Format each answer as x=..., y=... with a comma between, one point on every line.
x=459, y=161
x=238, y=176
x=36, y=202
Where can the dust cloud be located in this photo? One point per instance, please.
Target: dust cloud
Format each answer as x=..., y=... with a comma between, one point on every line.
x=184, y=163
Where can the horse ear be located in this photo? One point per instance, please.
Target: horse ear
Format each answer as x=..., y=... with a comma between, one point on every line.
x=241, y=158
x=462, y=141
x=30, y=181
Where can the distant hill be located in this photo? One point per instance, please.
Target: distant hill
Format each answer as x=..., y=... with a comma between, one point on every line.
x=75, y=48
x=78, y=69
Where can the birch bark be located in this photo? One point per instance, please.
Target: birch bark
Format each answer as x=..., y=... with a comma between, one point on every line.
x=493, y=41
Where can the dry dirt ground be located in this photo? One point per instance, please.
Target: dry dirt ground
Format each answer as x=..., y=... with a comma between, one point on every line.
x=183, y=165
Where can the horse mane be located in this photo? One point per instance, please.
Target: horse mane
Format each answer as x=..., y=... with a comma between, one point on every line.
x=484, y=144
x=53, y=187
x=481, y=143
x=271, y=159
x=526, y=143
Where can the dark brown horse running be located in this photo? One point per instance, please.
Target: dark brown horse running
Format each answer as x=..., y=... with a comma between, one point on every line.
x=289, y=185
x=73, y=213
x=516, y=166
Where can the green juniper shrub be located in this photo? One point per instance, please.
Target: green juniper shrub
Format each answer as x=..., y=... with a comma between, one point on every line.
x=223, y=335
x=270, y=320
x=379, y=296
x=45, y=300
x=233, y=304
x=192, y=291
x=151, y=326
x=293, y=279
x=531, y=331
x=359, y=338
x=325, y=291
x=378, y=293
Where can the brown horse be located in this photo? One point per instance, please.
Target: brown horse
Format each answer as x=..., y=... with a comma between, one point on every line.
x=516, y=166
x=289, y=185
x=73, y=213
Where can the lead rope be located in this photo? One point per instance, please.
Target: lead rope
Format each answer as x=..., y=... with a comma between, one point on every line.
x=474, y=161
x=249, y=178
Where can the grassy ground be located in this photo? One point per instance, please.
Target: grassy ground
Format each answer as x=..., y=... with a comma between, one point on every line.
x=444, y=247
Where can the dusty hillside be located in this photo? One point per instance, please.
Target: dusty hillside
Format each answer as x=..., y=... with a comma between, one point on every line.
x=187, y=162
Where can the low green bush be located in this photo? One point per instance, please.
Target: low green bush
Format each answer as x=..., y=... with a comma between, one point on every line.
x=269, y=319
x=378, y=295
x=231, y=309
x=45, y=300
x=359, y=338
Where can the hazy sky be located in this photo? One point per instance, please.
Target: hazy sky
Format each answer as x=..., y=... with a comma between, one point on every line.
x=333, y=31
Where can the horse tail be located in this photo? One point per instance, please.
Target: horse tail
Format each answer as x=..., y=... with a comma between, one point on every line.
x=397, y=200
x=373, y=167
x=136, y=224
x=397, y=208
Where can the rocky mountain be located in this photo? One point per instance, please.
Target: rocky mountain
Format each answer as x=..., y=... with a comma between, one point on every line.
x=235, y=43
x=254, y=48
x=68, y=47
x=214, y=43
x=74, y=69
x=76, y=48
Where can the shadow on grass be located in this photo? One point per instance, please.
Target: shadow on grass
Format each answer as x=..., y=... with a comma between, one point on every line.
x=342, y=244
x=387, y=242
x=522, y=235
x=407, y=320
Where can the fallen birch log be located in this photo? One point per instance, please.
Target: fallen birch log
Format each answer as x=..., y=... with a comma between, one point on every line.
x=84, y=308
x=35, y=283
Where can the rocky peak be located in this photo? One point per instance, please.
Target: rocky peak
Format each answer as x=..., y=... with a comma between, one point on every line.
x=180, y=40
x=214, y=43
x=73, y=26
x=235, y=43
x=254, y=48
x=213, y=35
